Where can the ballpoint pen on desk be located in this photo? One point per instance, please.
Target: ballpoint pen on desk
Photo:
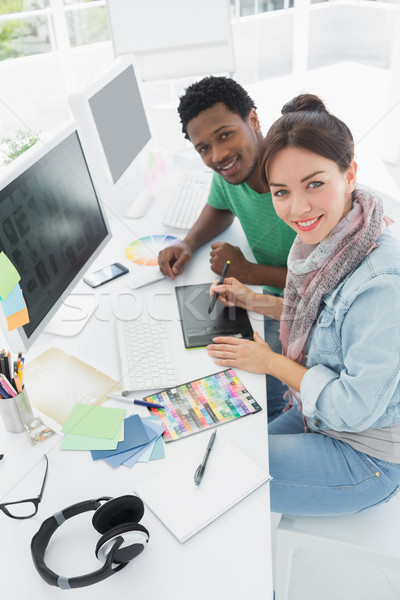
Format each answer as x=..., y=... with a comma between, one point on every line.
x=220, y=282
x=198, y=476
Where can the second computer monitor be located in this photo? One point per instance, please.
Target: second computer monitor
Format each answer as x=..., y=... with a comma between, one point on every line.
x=115, y=135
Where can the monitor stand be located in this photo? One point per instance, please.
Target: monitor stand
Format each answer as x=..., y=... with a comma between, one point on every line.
x=73, y=315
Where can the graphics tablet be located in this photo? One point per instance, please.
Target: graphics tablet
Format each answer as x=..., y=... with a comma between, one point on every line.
x=198, y=327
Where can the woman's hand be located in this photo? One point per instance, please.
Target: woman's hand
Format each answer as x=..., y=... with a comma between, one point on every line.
x=253, y=356
x=234, y=293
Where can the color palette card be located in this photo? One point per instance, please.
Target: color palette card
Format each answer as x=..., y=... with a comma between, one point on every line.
x=202, y=404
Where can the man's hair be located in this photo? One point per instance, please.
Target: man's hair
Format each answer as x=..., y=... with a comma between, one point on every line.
x=209, y=91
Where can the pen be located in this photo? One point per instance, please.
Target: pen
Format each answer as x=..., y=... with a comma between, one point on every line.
x=140, y=402
x=198, y=476
x=148, y=404
x=220, y=282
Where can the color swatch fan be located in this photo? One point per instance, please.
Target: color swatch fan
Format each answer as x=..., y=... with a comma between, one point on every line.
x=144, y=251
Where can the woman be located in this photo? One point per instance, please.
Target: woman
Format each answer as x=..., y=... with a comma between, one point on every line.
x=337, y=449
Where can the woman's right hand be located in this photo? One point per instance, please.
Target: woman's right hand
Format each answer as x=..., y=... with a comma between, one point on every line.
x=234, y=293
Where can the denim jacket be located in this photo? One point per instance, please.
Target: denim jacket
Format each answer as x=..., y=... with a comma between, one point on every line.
x=353, y=351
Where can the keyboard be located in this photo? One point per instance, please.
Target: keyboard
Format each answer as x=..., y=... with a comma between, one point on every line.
x=145, y=354
x=188, y=199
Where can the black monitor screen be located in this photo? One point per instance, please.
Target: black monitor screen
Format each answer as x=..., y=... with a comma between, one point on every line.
x=50, y=224
x=121, y=122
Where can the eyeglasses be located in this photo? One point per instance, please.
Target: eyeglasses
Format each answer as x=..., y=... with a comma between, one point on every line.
x=25, y=509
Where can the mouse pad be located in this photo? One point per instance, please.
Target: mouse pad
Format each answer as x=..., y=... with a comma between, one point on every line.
x=198, y=327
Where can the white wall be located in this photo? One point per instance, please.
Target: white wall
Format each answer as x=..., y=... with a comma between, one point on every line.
x=338, y=32
x=349, y=32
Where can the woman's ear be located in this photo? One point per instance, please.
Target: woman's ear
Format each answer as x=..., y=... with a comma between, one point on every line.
x=351, y=176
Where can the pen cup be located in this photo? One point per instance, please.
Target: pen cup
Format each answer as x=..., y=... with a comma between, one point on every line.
x=16, y=411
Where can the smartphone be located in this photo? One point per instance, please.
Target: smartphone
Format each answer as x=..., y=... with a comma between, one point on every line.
x=107, y=274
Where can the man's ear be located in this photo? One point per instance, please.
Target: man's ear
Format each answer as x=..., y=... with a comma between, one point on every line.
x=253, y=120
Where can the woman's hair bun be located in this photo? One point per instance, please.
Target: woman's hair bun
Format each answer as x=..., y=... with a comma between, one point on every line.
x=304, y=103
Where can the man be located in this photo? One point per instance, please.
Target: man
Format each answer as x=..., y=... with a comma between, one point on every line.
x=220, y=120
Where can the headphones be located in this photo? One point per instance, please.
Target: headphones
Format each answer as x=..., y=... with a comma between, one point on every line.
x=121, y=541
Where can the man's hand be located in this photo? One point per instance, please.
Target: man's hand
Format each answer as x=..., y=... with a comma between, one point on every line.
x=171, y=260
x=221, y=252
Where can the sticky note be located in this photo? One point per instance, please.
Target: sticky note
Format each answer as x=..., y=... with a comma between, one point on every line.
x=83, y=442
x=18, y=319
x=122, y=458
x=136, y=434
x=158, y=450
x=94, y=421
x=9, y=276
x=14, y=302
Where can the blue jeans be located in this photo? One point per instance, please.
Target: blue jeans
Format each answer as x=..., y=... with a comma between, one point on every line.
x=315, y=475
x=275, y=388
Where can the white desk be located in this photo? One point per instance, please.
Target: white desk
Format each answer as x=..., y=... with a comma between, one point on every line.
x=230, y=559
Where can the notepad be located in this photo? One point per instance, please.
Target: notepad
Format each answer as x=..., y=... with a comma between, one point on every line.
x=230, y=477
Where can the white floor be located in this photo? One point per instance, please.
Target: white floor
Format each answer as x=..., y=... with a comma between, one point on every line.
x=317, y=576
x=359, y=95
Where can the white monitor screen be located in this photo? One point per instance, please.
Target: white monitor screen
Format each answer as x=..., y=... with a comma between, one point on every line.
x=121, y=122
x=51, y=227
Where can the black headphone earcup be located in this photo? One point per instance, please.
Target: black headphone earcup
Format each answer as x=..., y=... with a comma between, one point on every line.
x=135, y=538
x=118, y=511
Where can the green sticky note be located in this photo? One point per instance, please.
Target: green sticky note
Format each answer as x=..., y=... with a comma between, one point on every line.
x=83, y=442
x=94, y=421
x=9, y=276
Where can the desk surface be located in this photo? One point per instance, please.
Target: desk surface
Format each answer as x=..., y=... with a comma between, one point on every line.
x=231, y=558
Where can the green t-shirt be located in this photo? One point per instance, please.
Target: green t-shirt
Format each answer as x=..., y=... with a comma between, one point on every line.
x=269, y=238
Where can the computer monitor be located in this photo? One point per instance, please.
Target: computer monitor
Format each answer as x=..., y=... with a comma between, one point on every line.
x=52, y=226
x=116, y=137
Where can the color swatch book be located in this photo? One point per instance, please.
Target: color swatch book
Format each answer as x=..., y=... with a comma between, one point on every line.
x=230, y=477
x=202, y=403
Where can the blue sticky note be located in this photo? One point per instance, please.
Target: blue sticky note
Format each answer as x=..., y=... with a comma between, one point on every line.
x=158, y=450
x=14, y=302
x=145, y=457
x=117, y=458
x=134, y=455
x=152, y=423
x=135, y=435
x=153, y=426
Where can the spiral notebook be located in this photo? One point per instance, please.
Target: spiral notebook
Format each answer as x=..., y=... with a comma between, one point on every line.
x=230, y=477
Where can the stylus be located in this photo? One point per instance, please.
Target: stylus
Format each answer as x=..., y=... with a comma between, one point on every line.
x=220, y=282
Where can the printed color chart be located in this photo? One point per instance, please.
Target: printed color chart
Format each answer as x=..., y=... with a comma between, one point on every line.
x=201, y=404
